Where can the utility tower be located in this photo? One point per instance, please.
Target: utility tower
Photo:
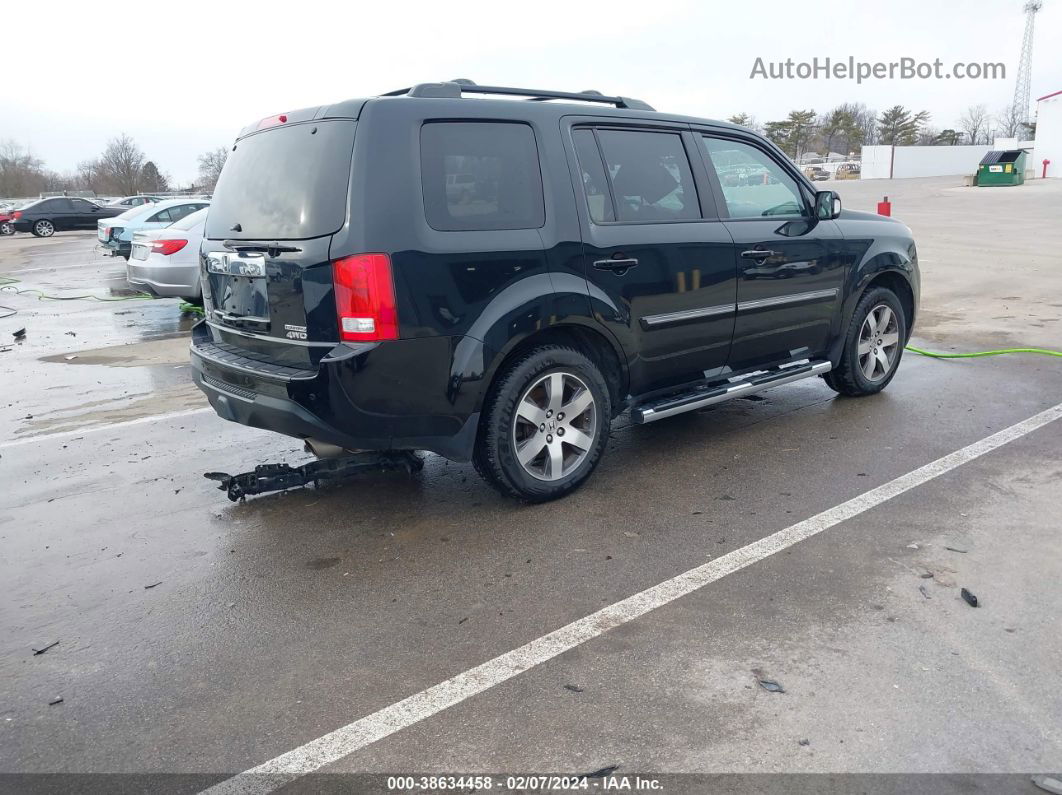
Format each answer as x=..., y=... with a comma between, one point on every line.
x=1023, y=86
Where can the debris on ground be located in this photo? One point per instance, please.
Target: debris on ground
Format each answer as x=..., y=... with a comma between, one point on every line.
x=1048, y=784
x=804, y=742
x=922, y=589
x=771, y=687
x=574, y=688
x=956, y=549
x=153, y=585
x=968, y=597
x=20, y=334
x=43, y=649
x=56, y=700
x=278, y=477
x=605, y=771
x=913, y=546
x=72, y=333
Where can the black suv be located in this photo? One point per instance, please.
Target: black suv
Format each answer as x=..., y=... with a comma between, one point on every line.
x=45, y=217
x=496, y=280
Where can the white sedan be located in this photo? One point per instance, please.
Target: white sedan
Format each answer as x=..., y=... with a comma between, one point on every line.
x=165, y=262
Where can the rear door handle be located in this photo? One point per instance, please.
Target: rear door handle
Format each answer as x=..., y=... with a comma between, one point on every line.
x=759, y=253
x=620, y=265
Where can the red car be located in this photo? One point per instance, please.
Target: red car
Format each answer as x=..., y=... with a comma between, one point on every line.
x=6, y=227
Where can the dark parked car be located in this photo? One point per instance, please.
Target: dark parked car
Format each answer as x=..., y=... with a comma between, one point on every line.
x=599, y=265
x=45, y=217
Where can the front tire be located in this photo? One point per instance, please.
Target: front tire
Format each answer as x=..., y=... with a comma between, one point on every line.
x=545, y=425
x=873, y=345
x=44, y=228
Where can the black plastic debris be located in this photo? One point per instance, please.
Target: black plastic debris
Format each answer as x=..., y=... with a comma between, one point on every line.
x=771, y=687
x=956, y=549
x=804, y=742
x=601, y=773
x=968, y=597
x=153, y=585
x=20, y=334
x=278, y=477
x=43, y=649
x=924, y=592
x=56, y=700
x=574, y=688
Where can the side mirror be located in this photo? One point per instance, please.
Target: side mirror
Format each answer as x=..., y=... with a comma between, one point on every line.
x=827, y=205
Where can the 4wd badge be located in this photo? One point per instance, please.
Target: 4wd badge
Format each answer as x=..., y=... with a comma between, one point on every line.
x=295, y=332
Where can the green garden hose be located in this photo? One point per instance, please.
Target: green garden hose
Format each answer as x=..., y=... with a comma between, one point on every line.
x=934, y=355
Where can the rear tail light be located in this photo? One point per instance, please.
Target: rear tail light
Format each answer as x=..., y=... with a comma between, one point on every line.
x=106, y=233
x=167, y=247
x=365, y=298
x=16, y=215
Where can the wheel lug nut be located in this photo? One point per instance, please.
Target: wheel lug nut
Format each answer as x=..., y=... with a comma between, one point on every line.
x=549, y=412
x=542, y=427
x=560, y=416
x=549, y=439
x=560, y=431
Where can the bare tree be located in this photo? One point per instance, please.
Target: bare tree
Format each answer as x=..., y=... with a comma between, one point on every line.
x=1011, y=123
x=21, y=174
x=118, y=169
x=210, y=165
x=974, y=122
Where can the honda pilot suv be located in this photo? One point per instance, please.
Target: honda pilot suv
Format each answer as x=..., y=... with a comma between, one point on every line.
x=597, y=259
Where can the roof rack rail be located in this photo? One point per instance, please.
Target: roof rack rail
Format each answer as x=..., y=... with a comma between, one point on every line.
x=453, y=89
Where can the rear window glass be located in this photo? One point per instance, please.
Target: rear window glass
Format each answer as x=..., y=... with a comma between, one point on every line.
x=480, y=176
x=191, y=220
x=288, y=183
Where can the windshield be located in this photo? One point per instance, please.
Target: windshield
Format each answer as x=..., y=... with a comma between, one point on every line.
x=287, y=183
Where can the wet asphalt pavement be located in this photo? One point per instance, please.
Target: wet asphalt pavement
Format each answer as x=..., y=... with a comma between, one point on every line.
x=200, y=636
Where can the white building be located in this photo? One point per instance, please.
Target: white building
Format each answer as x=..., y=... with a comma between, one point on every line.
x=1048, y=135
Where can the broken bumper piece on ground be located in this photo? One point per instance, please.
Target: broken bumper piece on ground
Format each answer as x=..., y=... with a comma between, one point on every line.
x=278, y=477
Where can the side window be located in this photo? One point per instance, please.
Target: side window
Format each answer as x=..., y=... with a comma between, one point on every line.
x=162, y=216
x=650, y=174
x=81, y=206
x=753, y=184
x=595, y=183
x=480, y=175
x=177, y=213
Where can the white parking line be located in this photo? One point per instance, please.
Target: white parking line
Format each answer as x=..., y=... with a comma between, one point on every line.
x=335, y=745
x=44, y=437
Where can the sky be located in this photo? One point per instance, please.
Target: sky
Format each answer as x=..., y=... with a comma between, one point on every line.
x=185, y=77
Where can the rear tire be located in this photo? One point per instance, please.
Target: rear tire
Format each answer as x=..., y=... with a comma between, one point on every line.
x=873, y=345
x=544, y=425
x=6, y=228
x=43, y=228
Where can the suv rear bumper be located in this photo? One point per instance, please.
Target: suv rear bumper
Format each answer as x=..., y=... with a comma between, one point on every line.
x=384, y=396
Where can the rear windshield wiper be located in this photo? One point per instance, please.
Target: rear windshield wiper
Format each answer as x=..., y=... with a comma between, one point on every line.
x=270, y=248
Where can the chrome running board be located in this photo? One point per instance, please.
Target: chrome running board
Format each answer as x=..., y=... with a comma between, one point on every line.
x=697, y=399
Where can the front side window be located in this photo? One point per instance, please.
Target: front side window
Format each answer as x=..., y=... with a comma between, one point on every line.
x=753, y=184
x=650, y=175
x=480, y=176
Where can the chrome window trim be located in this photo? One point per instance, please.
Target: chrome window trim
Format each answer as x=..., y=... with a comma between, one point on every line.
x=781, y=300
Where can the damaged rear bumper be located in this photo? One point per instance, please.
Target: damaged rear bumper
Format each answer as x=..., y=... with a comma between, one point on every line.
x=343, y=401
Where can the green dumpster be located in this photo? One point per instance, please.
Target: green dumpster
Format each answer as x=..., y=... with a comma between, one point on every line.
x=1002, y=168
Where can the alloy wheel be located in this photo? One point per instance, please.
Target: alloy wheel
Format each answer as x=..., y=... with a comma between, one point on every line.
x=879, y=343
x=554, y=426
x=44, y=228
